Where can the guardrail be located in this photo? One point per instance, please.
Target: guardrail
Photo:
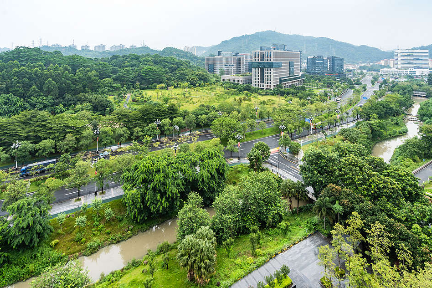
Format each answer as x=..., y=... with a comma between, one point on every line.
x=421, y=167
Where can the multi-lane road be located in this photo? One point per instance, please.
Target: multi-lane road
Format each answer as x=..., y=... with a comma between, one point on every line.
x=288, y=166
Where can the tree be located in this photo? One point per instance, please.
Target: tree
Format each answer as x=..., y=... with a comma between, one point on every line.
x=30, y=222
x=284, y=142
x=296, y=189
x=259, y=153
x=232, y=146
x=103, y=171
x=192, y=216
x=86, y=139
x=71, y=275
x=109, y=214
x=106, y=136
x=190, y=122
x=45, y=148
x=61, y=219
x=23, y=152
x=197, y=254
x=166, y=126
x=262, y=125
x=323, y=208
x=4, y=157
x=79, y=176
x=326, y=257
x=68, y=144
x=15, y=191
x=225, y=128
x=294, y=147
x=337, y=209
x=121, y=134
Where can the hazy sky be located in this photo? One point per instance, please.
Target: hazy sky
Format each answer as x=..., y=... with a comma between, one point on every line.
x=385, y=24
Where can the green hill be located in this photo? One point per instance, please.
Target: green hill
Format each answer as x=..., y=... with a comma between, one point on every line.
x=168, y=51
x=307, y=44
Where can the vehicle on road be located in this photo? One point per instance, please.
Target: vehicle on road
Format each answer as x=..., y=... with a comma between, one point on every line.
x=38, y=167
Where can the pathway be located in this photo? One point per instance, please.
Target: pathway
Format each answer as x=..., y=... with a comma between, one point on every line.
x=127, y=100
x=302, y=259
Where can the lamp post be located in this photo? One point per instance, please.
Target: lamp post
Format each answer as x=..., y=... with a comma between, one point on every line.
x=281, y=127
x=97, y=132
x=239, y=137
x=157, y=122
x=15, y=146
x=175, y=149
x=175, y=127
x=311, y=119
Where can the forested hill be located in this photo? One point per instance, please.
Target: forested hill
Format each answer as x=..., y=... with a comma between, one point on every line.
x=34, y=79
x=166, y=52
x=428, y=47
x=307, y=44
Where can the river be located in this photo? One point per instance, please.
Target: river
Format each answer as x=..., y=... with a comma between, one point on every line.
x=386, y=148
x=116, y=256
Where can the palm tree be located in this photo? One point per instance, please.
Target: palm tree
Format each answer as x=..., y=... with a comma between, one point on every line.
x=323, y=208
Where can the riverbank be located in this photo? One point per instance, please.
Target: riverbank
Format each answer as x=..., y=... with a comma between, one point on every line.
x=228, y=269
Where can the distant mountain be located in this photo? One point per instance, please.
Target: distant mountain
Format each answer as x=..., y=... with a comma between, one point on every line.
x=308, y=45
x=428, y=47
x=166, y=52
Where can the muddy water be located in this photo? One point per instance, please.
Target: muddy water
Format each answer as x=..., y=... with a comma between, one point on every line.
x=385, y=149
x=116, y=256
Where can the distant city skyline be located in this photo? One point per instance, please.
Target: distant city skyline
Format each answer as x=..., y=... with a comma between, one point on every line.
x=203, y=23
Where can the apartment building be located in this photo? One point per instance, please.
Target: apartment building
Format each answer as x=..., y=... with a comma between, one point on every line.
x=228, y=63
x=99, y=48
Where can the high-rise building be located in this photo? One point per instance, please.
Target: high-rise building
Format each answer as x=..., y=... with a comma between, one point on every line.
x=190, y=49
x=411, y=59
x=99, y=48
x=276, y=65
x=85, y=47
x=227, y=63
x=318, y=65
x=117, y=47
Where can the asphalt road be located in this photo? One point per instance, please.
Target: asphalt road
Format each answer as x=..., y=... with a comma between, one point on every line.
x=245, y=147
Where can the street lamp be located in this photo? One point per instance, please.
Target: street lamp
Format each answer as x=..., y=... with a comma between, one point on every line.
x=239, y=137
x=175, y=148
x=281, y=127
x=157, y=122
x=311, y=119
x=97, y=132
x=175, y=127
x=15, y=146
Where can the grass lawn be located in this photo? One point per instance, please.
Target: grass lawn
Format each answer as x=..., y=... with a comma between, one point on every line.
x=228, y=269
x=261, y=133
x=192, y=98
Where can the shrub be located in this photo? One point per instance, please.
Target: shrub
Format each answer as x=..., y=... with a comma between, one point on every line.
x=163, y=247
x=92, y=247
x=69, y=275
x=109, y=213
x=326, y=282
x=54, y=243
x=81, y=221
x=340, y=273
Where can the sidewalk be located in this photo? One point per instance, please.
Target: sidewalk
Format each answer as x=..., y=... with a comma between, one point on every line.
x=302, y=259
x=70, y=206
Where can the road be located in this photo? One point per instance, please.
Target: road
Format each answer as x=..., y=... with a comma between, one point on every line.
x=287, y=166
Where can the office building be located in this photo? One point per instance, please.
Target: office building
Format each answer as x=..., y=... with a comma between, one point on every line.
x=239, y=79
x=318, y=65
x=99, y=48
x=411, y=59
x=228, y=63
x=272, y=66
x=85, y=47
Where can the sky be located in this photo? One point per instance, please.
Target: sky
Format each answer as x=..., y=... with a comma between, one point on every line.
x=385, y=24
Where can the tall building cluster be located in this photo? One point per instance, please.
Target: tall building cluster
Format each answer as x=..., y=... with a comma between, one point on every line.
x=265, y=68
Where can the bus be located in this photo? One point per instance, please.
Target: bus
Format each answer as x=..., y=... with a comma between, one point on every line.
x=38, y=167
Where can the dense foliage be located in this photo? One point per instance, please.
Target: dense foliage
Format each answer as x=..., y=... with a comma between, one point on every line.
x=34, y=79
x=71, y=275
x=156, y=185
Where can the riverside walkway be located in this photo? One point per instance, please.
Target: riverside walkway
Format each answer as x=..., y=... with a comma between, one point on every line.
x=302, y=259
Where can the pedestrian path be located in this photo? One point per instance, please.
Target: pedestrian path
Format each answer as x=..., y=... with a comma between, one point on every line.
x=302, y=259
x=70, y=206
